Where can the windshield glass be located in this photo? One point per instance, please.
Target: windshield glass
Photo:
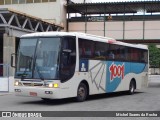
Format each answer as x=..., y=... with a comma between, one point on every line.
x=38, y=58
x=46, y=59
x=25, y=57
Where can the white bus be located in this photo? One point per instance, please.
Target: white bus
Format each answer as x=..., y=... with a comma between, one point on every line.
x=55, y=65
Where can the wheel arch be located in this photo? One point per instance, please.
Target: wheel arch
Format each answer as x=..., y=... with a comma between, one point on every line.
x=87, y=85
x=134, y=80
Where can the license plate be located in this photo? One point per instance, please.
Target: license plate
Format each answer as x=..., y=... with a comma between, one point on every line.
x=33, y=94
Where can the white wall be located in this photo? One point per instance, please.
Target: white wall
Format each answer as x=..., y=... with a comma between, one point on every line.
x=114, y=29
x=77, y=26
x=119, y=29
x=152, y=30
x=134, y=30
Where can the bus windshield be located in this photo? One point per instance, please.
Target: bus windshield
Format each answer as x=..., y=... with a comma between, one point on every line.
x=38, y=58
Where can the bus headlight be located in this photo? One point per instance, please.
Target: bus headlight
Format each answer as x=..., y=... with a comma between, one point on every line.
x=53, y=85
x=17, y=83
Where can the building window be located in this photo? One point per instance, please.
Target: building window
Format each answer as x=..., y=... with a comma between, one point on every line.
x=52, y=0
x=14, y=1
x=29, y=1
x=7, y=2
x=37, y=1
x=1, y=2
x=44, y=0
x=22, y=1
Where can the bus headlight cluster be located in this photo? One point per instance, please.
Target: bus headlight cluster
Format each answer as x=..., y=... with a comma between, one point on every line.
x=17, y=83
x=53, y=85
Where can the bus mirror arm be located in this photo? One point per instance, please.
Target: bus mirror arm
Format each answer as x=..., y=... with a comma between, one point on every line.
x=13, y=56
x=67, y=50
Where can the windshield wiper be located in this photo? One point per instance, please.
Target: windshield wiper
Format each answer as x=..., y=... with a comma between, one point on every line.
x=37, y=69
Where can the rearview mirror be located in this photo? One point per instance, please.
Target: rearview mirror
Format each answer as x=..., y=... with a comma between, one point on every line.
x=67, y=50
x=13, y=60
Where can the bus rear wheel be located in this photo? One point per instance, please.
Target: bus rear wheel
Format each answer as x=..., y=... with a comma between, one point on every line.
x=82, y=92
x=131, y=87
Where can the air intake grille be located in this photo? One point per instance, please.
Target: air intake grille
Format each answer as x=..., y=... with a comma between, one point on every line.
x=33, y=84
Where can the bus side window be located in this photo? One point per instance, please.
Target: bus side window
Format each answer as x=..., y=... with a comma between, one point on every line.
x=111, y=52
x=100, y=50
x=143, y=57
x=86, y=49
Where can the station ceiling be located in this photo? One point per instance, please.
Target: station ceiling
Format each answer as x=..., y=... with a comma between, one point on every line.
x=114, y=7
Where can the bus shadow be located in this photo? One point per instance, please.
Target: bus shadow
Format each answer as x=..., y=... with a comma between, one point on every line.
x=110, y=95
x=51, y=102
x=154, y=85
x=73, y=100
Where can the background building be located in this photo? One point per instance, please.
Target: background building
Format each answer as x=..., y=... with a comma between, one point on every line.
x=133, y=22
x=81, y=1
x=49, y=10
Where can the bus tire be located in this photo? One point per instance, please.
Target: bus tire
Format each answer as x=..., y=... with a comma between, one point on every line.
x=132, y=87
x=82, y=92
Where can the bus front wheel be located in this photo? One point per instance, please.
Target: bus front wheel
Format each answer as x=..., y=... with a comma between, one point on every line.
x=82, y=92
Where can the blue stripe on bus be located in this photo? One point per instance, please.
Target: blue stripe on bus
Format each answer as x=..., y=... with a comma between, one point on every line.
x=116, y=71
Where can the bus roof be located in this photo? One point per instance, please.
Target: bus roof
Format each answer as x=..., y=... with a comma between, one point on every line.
x=85, y=36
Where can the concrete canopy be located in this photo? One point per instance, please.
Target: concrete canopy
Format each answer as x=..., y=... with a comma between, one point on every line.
x=16, y=23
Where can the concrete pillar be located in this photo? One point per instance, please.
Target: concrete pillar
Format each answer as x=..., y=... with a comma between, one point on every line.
x=8, y=49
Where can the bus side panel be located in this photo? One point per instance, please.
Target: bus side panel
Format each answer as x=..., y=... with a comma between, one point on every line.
x=108, y=76
x=97, y=76
x=145, y=77
x=93, y=71
x=119, y=75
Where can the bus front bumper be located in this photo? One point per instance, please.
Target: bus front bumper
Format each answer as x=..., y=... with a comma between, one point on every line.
x=41, y=92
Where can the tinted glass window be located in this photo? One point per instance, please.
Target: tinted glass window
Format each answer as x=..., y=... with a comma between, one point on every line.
x=7, y=1
x=44, y=0
x=101, y=50
x=29, y=1
x=134, y=54
x=22, y=1
x=143, y=56
x=1, y=2
x=112, y=52
x=14, y=1
x=86, y=48
x=37, y=1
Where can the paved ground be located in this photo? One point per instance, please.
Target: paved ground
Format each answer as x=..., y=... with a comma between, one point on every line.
x=143, y=100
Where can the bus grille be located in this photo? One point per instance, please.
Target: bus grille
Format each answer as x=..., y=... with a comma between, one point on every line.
x=33, y=84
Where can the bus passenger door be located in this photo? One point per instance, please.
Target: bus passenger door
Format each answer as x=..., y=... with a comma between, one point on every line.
x=68, y=58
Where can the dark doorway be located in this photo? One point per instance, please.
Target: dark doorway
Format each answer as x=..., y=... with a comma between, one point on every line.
x=17, y=44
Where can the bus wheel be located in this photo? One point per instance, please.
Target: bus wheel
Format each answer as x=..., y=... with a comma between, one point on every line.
x=131, y=87
x=82, y=92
